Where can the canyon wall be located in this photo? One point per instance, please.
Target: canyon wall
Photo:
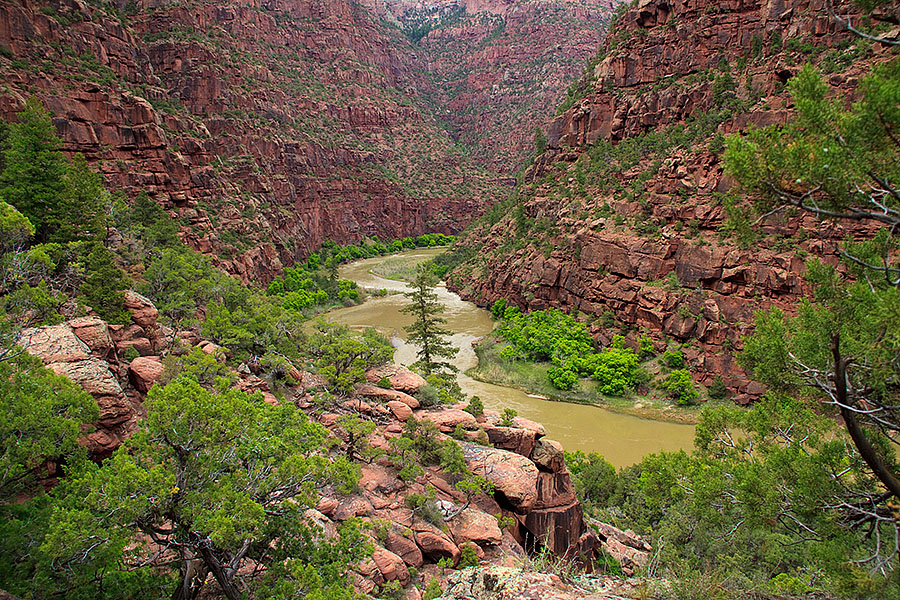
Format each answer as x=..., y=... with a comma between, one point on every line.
x=498, y=69
x=266, y=127
x=624, y=217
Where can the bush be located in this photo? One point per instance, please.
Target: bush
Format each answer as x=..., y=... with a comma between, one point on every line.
x=475, y=407
x=384, y=383
x=468, y=556
x=508, y=418
x=616, y=370
x=433, y=590
x=562, y=379
x=674, y=359
x=681, y=387
x=717, y=389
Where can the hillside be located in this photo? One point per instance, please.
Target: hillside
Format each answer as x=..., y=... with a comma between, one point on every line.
x=627, y=219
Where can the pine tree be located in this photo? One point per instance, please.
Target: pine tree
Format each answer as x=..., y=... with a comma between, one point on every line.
x=33, y=178
x=426, y=331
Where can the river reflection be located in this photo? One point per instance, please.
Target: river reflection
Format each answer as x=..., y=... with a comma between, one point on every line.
x=622, y=439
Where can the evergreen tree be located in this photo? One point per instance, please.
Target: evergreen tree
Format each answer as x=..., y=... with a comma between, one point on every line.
x=33, y=179
x=222, y=480
x=843, y=346
x=426, y=331
x=81, y=215
x=104, y=284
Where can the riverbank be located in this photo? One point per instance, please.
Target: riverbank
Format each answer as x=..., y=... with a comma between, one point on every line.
x=531, y=378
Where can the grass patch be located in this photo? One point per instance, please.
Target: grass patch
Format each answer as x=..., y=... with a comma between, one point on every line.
x=401, y=268
x=531, y=377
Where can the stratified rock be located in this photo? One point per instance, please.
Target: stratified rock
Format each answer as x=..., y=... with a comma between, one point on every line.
x=373, y=391
x=54, y=344
x=93, y=332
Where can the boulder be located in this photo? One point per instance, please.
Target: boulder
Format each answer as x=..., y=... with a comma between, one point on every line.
x=473, y=525
x=548, y=455
x=142, y=310
x=92, y=374
x=144, y=371
x=401, y=378
x=514, y=477
x=93, y=332
x=373, y=391
x=434, y=543
x=520, y=441
x=447, y=420
x=391, y=566
x=405, y=548
x=54, y=344
x=400, y=410
x=356, y=506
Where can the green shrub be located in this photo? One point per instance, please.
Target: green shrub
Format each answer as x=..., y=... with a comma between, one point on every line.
x=508, y=418
x=681, y=387
x=475, y=407
x=562, y=379
x=674, y=359
x=384, y=383
x=433, y=590
x=616, y=370
x=468, y=556
x=717, y=389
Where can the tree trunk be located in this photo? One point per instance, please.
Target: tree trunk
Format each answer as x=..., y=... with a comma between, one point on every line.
x=225, y=581
x=868, y=452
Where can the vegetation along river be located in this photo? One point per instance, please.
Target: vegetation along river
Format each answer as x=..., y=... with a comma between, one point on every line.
x=622, y=439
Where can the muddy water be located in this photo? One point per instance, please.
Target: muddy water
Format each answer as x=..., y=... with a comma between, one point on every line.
x=622, y=439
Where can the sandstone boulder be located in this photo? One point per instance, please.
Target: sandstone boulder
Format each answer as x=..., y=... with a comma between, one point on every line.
x=54, y=344
x=447, y=420
x=473, y=525
x=514, y=477
x=144, y=371
x=391, y=566
x=142, y=310
x=373, y=391
x=434, y=543
x=400, y=410
x=405, y=548
x=548, y=455
x=93, y=332
x=401, y=378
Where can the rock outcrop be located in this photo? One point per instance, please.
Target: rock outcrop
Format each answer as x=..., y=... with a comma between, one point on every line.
x=639, y=237
x=505, y=583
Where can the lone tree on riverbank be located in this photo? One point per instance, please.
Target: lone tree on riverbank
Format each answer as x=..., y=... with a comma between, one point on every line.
x=426, y=332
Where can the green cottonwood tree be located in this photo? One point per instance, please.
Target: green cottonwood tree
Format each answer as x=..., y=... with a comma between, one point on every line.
x=216, y=483
x=426, y=331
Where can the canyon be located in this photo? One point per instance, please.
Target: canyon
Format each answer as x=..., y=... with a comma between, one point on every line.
x=268, y=128
x=644, y=242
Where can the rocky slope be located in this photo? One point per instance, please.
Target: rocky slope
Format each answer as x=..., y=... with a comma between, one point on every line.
x=498, y=68
x=269, y=127
x=266, y=127
x=532, y=491
x=624, y=217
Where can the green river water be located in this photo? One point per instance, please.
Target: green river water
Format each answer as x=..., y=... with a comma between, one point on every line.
x=622, y=439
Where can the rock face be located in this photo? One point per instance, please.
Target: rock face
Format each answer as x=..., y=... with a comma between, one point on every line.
x=267, y=128
x=500, y=67
x=79, y=350
x=638, y=237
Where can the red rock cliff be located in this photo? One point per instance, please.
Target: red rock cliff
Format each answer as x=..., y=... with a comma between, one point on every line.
x=621, y=219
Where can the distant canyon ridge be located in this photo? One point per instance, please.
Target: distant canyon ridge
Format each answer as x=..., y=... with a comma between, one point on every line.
x=268, y=127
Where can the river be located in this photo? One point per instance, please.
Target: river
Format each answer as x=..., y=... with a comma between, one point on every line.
x=622, y=439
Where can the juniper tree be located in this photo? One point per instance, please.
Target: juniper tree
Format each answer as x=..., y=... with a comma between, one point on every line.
x=840, y=164
x=427, y=331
